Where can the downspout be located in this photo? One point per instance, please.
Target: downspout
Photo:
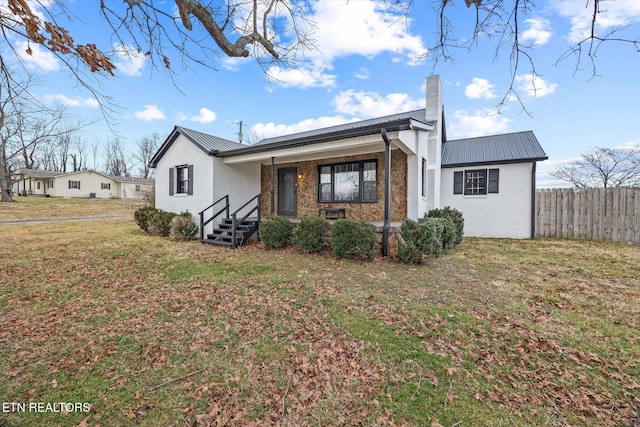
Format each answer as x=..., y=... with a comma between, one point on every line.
x=387, y=193
x=533, y=200
x=273, y=169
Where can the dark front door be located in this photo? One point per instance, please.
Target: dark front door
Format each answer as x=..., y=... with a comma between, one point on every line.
x=287, y=192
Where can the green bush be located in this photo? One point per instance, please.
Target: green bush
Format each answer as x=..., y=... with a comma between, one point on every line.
x=449, y=235
x=353, y=239
x=160, y=222
x=142, y=216
x=183, y=227
x=422, y=237
x=275, y=231
x=454, y=215
x=310, y=234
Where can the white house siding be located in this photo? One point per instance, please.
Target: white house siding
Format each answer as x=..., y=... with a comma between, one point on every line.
x=184, y=152
x=134, y=190
x=90, y=183
x=506, y=214
x=240, y=181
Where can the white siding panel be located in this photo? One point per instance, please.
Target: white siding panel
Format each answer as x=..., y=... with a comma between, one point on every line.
x=506, y=214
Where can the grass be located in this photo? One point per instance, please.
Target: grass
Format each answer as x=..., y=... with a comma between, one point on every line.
x=35, y=208
x=155, y=332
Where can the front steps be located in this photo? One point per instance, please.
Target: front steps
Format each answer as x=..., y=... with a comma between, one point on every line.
x=223, y=234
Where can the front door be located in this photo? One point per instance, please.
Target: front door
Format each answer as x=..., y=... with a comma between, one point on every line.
x=287, y=192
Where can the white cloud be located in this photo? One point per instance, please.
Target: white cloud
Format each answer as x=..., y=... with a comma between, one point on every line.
x=149, y=113
x=477, y=123
x=130, y=61
x=479, y=88
x=268, y=130
x=538, y=31
x=308, y=76
x=205, y=116
x=612, y=14
x=372, y=104
x=71, y=102
x=361, y=73
x=344, y=28
x=534, y=86
x=40, y=59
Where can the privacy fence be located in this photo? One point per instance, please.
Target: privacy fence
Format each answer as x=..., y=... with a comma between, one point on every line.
x=611, y=214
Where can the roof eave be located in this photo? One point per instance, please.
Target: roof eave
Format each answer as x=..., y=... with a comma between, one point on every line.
x=494, y=162
x=404, y=124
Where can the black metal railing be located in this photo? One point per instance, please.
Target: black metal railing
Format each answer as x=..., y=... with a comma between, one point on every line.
x=225, y=209
x=235, y=221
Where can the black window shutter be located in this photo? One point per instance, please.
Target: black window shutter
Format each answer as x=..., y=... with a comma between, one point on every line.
x=190, y=189
x=78, y=185
x=494, y=178
x=171, y=185
x=69, y=183
x=458, y=179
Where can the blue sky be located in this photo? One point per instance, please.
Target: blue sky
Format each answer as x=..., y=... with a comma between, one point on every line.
x=366, y=66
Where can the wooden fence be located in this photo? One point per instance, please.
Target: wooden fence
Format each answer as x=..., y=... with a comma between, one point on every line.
x=611, y=214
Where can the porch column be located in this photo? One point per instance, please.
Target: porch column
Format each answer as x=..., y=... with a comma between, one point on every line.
x=387, y=193
x=273, y=171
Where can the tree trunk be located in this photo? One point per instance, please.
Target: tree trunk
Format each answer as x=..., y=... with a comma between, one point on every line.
x=5, y=177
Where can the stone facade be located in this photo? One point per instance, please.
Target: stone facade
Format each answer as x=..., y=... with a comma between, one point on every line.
x=307, y=203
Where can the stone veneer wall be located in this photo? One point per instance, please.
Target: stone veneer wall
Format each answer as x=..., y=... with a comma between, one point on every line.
x=308, y=188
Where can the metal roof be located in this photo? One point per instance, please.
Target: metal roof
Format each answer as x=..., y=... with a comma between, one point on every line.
x=408, y=120
x=505, y=148
x=36, y=173
x=209, y=143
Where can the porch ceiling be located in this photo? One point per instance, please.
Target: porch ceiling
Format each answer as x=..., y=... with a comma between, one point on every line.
x=323, y=150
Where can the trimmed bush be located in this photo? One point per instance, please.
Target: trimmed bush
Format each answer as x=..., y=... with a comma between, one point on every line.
x=310, y=234
x=421, y=238
x=449, y=235
x=454, y=215
x=160, y=222
x=353, y=239
x=275, y=231
x=183, y=227
x=142, y=216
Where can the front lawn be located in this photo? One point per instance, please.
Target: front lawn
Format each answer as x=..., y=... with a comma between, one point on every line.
x=154, y=332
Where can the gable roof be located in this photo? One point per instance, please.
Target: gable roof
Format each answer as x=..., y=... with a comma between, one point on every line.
x=506, y=148
x=210, y=144
x=36, y=173
x=395, y=122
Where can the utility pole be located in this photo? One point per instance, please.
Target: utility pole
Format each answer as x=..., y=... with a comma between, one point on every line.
x=239, y=122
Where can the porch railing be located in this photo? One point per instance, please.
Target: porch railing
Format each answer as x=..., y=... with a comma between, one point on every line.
x=235, y=221
x=225, y=209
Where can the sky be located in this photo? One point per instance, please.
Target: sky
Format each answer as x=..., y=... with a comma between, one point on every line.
x=369, y=62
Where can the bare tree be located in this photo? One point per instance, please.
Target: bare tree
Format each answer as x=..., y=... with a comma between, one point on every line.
x=116, y=158
x=147, y=147
x=79, y=155
x=24, y=125
x=602, y=167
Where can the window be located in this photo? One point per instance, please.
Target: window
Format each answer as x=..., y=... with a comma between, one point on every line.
x=348, y=182
x=50, y=183
x=138, y=188
x=38, y=185
x=74, y=184
x=105, y=186
x=476, y=181
x=181, y=180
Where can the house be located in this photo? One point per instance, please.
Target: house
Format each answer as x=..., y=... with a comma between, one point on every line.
x=381, y=170
x=83, y=184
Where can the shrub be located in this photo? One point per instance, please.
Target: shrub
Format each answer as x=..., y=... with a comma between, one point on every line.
x=422, y=237
x=454, y=215
x=310, y=233
x=449, y=235
x=353, y=239
x=160, y=222
x=142, y=216
x=183, y=227
x=275, y=231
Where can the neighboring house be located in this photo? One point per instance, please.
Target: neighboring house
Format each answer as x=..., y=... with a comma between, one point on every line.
x=344, y=169
x=83, y=184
